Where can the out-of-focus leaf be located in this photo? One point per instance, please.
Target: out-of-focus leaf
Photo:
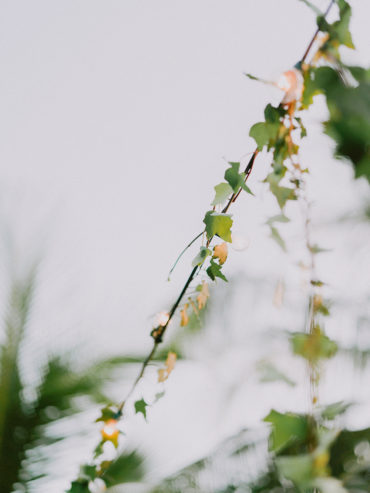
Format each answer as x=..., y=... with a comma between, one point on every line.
x=79, y=487
x=297, y=468
x=286, y=429
x=164, y=373
x=282, y=194
x=15, y=422
x=275, y=235
x=269, y=373
x=201, y=256
x=313, y=346
x=349, y=109
x=331, y=411
x=223, y=192
x=127, y=468
x=203, y=295
x=280, y=218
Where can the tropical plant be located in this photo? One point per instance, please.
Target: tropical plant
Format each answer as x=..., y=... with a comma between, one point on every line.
x=26, y=434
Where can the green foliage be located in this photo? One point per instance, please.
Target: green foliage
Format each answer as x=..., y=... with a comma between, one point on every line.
x=297, y=468
x=79, y=486
x=266, y=133
x=280, y=218
x=331, y=411
x=253, y=77
x=313, y=346
x=236, y=179
x=218, y=224
x=300, y=446
x=310, y=469
x=107, y=413
x=348, y=459
x=201, y=256
x=269, y=373
x=214, y=270
x=127, y=468
x=282, y=194
x=223, y=192
x=24, y=423
x=15, y=423
x=287, y=429
x=275, y=235
x=140, y=407
x=338, y=32
x=349, y=110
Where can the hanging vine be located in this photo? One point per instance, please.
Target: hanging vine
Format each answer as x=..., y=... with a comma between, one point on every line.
x=300, y=444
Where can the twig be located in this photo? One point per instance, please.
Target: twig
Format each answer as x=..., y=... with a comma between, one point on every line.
x=161, y=330
x=182, y=253
x=316, y=33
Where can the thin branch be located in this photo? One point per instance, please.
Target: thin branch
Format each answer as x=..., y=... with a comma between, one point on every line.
x=162, y=329
x=182, y=253
x=316, y=33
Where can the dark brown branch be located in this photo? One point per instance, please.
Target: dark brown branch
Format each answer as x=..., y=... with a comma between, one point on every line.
x=159, y=332
x=316, y=33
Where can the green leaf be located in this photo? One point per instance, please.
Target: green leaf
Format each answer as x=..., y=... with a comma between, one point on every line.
x=202, y=255
x=233, y=177
x=339, y=33
x=349, y=111
x=159, y=395
x=107, y=413
x=79, y=487
x=298, y=468
x=275, y=235
x=253, y=77
x=273, y=115
x=280, y=218
x=246, y=188
x=310, y=90
x=317, y=249
x=313, y=346
x=223, y=192
x=88, y=472
x=359, y=73
x=269, y=373
x=340, y=28
x=264, y=134
x=286, y=429
x=127, y=468
x=261, y=134
x=282, y=194
x=321, y=306
x=331, y=411
x=218, y=224
x=214, y=270
x=302, y=127
x=140, y=407
x=317, y=282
